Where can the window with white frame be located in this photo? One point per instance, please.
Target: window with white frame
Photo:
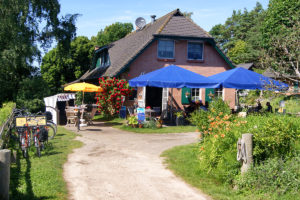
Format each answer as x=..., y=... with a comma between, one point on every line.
x=165, y=49
x=195, y=51
x=219, y=92
x=195, y=94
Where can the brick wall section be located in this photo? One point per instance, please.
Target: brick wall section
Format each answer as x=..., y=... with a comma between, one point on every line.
x=213, y=63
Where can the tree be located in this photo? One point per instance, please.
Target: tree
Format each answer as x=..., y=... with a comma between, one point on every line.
x=112, y=33
x=31, y=93
x=21, y=31
x=241, y=26
x=282, y=37
x=61, y=66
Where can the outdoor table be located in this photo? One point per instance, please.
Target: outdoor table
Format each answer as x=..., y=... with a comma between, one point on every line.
x=149, y=112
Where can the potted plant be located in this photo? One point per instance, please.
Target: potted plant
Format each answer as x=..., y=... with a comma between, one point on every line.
x=132, y=120
x=179, y=118
x=159, y=122
x=140, y=123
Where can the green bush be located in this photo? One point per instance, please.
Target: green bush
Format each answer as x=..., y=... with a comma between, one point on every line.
x=150, y=124
x=274, y=135
x=5, y=111
x=274, y=176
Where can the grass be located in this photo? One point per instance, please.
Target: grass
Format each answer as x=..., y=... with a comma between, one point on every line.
x=121, y=124
x=292, y=103
x=169, y=129
x=42, y=178
x=183, y=161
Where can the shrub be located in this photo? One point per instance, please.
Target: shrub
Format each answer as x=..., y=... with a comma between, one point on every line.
x=274, y=176
x=5, y=111
x=110, y=100
x=273, y=136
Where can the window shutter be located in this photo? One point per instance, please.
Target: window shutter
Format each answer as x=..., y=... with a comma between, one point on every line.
x=184, y=99
x=208, y=93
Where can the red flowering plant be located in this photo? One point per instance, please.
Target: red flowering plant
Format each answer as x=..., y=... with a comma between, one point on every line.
x=109, y=101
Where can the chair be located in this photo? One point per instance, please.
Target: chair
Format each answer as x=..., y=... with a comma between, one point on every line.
x=90, y=115
x=71, y=116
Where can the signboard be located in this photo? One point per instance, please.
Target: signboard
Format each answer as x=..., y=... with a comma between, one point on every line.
x=141, y=114
x=31, y=121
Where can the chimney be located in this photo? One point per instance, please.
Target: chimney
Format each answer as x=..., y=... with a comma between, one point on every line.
x=96, y=48
x=153, y=18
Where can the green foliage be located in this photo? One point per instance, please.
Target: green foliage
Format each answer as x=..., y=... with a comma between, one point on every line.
x=241, y=35
x=151, y=124
x=273, y=178
x=31, y=93
x=61, y=66
x=112, y=33
x=89, y=98
x=132, y=120
x=5, y=110
x=240, y=52
x=24, y=25
x=274, y=136
x=281, y=31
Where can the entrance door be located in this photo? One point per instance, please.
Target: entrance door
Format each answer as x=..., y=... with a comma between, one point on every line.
x=153, y=97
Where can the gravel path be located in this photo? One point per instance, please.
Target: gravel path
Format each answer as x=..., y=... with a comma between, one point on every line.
x=115, y=164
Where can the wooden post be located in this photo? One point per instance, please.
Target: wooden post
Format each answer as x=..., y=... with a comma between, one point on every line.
x=248, y=140
x=4, y=173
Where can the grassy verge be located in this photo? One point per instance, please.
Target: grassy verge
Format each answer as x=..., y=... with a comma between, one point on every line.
x=121, y=124
x=42, y=178
x=5, y=111
x=183, y=161
x=169, y=129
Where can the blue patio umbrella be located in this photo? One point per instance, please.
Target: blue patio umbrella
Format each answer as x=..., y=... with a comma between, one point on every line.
x=240, y=78
x=173, y=76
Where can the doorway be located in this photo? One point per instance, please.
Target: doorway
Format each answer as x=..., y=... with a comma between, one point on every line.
x=153, y=96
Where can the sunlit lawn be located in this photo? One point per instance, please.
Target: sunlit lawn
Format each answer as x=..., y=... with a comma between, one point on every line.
x=42, y=178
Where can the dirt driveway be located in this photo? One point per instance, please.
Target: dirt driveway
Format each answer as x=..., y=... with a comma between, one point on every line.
x=115, y=165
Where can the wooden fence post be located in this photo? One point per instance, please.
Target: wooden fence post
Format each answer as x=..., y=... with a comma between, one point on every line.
x=248, y=139
x=4, y=173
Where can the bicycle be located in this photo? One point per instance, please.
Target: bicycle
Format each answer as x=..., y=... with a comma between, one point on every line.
x=50, y=126
x=39, y=132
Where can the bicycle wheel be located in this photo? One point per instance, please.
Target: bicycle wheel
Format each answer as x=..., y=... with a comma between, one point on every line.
x=37, y=145
x=51, y=131
x=25, y=152
x=53, y=124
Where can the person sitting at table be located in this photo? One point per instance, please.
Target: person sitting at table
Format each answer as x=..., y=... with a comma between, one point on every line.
x=258, y=107
x=269, y=107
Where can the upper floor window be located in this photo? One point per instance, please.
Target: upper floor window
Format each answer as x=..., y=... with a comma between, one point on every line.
x=103, y=60
x=195, y=51
x=165, y=49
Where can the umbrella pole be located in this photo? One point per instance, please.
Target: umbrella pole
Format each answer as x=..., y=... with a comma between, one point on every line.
x=171, y=112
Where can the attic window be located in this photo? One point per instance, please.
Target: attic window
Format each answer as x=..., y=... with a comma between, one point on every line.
x=165, y=49
x=195, y=51
x=103, y=60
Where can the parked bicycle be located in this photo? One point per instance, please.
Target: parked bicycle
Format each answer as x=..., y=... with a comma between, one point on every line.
x=32, y=128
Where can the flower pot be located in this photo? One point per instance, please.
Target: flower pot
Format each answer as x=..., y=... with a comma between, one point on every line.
x=140, y=125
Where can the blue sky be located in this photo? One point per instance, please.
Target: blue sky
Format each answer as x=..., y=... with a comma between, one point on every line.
x=97, y=14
